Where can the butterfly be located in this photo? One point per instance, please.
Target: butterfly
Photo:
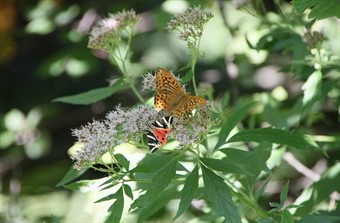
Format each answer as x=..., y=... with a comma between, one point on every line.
x=171, y=97
x=157, y=133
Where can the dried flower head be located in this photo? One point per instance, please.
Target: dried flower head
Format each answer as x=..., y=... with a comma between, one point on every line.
x=190, y=25
x=314, y=40
x=149, y=81
x=107, y=33
x=120, y=126
x=188, y=130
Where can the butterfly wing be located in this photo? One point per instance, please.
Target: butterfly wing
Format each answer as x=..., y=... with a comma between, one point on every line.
x=157, y=134
x=188, y=103
x=165, y=123
x=168, y=91
x=153, y=143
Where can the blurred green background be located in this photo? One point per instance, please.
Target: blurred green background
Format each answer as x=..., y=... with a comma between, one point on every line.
x=44, y=55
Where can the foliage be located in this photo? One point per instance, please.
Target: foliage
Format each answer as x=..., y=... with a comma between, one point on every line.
x=271, y=79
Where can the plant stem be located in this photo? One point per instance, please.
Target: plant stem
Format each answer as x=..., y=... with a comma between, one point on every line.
x=122, y=68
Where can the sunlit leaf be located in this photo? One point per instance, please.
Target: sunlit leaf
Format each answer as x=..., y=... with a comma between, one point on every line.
x=87, y=185
x=312, y=89
x=128, y=191
x=284, y=193
x=93, y=95
x=122, y=161
x=71, y=175
x=319, y=9
x=116, y=208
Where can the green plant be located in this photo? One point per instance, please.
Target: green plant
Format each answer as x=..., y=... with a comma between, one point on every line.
x=225, y=158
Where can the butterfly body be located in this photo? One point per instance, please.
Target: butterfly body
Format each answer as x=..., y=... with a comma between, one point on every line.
x=171, y=97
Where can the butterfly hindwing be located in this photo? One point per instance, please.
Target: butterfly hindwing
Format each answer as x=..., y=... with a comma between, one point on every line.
x=153, y=143
x=157, y=134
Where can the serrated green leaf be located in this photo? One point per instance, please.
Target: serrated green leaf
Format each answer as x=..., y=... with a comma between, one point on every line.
x=284, y=193
x=158, y=183
x=294, y=139
x=248, y=161
x=235, y=116
x=71, y=175
x=188, y=192
x=226, y=166
x=116, y=209
x=157, y=204
x=219, y=196
x=93, y=95
x=122, y=161
x=152, y=162
x=319, y=9
x=128, y=191
x=319, y=218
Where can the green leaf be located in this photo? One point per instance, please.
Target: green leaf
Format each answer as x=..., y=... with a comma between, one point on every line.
x=312, y=90
x=86, y=185
x=188, y=192
x=235, y=116
x=319, y=9
x=152, y=162
x=248, y=161
x=187, y=77
x=122, y=161
x=225, y=100
x=219, y=196
x=93, y=95
x=319, y=191
x=225, y=166
x=106, y=198
x=71, y=175
x=128, y=191
x=287, y=217
x=158, y=183
x=157, y=204
x=284, y=193
x=319, y=218
x=294, y=139
x=116, y=209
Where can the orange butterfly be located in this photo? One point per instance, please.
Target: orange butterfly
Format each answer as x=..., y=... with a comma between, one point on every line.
x=171, y=97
